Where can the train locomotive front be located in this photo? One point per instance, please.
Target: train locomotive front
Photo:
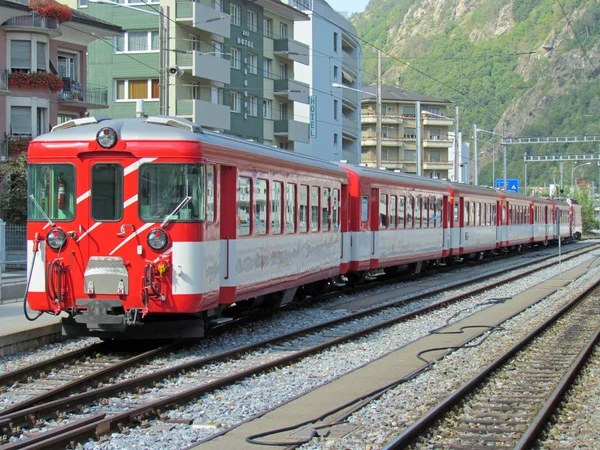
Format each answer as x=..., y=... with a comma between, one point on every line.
x=115, y=233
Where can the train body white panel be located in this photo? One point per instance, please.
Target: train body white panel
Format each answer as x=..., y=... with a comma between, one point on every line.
x=455, y=239
x=195, y=267
x=38, y=276
x=362, y=245
x=518, y=233
x=403, y=243
x=346, y=249
x=478, y=237
x=260, y=260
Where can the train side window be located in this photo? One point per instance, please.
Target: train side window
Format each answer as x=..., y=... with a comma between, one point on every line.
x=276, y=193
x=325, y=209
x=392, y=211
x=456, y=213
x=210, y=193
x=472, y=213
x=303, y=209
x=314, y=208
x=401, y=210
x=364, y=208
x=383, y=212
x=53, y=188
x=260, y=206
x=478, y=214
x=410, y=204
x=290, y=208
x=335, y=210
x=440, y=208
x=466, y=214
x=417, y=212
x=425, y=213
x=107, y=192
x=243, y=214
x=432, y=206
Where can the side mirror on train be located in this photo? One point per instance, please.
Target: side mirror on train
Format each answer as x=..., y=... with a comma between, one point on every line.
x=176, y=71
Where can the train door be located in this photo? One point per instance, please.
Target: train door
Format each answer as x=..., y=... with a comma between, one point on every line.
x=114, y=237
x=374, y=223
x=228, y=233
x=344, y=225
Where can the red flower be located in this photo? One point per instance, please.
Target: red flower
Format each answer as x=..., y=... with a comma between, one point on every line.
x=16, y=144
x=49, y=9
x=48, y=80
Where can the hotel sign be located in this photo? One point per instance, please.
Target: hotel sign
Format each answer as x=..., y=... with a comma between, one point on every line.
x=312, y=104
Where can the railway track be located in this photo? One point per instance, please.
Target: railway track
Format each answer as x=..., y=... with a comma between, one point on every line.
x=97, y=411
x=509, y=403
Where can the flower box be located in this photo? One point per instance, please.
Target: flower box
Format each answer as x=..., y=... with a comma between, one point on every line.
x=49, y=9
x=47, y=80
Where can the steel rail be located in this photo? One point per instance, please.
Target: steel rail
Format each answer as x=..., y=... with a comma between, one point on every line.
x=153, y=408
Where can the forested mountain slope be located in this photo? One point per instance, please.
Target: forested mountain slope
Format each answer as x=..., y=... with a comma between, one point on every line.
x=533, y=63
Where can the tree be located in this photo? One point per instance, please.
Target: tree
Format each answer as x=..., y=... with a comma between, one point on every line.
x=13, y=180
x=587, y=203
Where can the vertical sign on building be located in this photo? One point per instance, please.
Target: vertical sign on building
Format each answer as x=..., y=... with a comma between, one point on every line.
x=312, y=103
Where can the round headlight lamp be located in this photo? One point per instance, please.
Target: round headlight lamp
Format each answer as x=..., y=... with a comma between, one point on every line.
x=157, y=239
x=56, y=238
x=106, y=137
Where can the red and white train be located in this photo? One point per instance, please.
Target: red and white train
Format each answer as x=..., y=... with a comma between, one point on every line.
x=155, y=228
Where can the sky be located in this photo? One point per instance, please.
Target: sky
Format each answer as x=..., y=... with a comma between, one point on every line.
x=350, y=6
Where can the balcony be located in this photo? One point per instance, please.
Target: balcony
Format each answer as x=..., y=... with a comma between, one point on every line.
x=3, y=151
x=437, y=143
x=351, y=97
x=438, y=165
x=294, y=130
x=203, y=17
x=33, y=22
x=291, y=49
x=4, y=83
x=371, y=141
x=393, y=119
x=350, y=63
x=292, y=90
x=89, y=97
x=436, y=121
x=210, y=67
x=205, y=113
x=350, y=128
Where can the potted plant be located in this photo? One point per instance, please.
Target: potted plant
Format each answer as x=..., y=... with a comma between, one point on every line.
x=49, y=9
x=48, y=80
x=17, y=144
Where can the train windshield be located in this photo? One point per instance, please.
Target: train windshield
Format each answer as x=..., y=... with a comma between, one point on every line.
x=164, y=188
x=51, y=192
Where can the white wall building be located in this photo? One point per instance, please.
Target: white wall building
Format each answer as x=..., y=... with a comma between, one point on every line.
x=333, y=113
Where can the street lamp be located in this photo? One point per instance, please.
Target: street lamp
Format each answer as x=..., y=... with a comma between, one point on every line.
x=475, y=130
x=573, y=174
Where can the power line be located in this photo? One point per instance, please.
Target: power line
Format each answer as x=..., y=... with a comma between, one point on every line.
x=575, y=33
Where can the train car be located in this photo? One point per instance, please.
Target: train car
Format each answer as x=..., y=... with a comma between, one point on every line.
x=542, y=230
x=154, y=228
x=562, y=220
x=396, y=220
x=473, y=221
x=515, y=226
x=576, y=218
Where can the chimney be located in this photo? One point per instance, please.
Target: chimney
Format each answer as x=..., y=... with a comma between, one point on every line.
x=399, y=82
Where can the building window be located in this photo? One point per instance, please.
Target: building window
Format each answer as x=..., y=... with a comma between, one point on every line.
x=335, y=73
x=410, y=133
x=335, y=42
x=267, y=27
x=283, y=73
x=283, y=32
x=267, y=109
x=67, y=66
x=253, y=105
x=335, y=143
x=136, y=41
x=82, y=3
x=235, y=99
x=283, y=115
x=252, y=21
x=408, y=111
x=218, y=5
x=236, y=55
x=431, y=109
x=268, y=67
x=234, y=12
x=20, y=56
x=435, y=134
x=252, y=63
x=20, y=120
x=137, y=89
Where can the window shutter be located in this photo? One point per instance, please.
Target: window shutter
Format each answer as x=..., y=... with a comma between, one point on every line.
x=20, y=55
x=41, y=56
x=20, y=120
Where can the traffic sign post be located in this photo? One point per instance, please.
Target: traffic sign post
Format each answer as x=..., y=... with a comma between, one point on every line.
x=512, y=184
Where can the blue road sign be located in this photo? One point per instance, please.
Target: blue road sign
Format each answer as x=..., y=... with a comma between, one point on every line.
x=512, y=184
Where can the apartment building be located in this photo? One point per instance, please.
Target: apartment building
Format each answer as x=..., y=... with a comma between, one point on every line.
x=410, y=123
x=226, y=65
x=43, y=77
x=334, y=78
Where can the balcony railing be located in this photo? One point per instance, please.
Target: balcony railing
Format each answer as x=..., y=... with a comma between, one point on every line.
x=4, y=81
x=72, y=93
x=32, y=21
x=3, y=151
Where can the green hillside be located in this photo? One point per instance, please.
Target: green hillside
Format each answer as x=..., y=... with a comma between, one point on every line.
x=533, y=63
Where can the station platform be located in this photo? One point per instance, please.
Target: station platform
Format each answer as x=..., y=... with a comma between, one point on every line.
x=16, y=332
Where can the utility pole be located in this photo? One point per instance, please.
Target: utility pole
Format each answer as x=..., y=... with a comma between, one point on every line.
x=378, y=112
x=456, y=148
x=419, y=139
x=505, y=150
x=475, y=153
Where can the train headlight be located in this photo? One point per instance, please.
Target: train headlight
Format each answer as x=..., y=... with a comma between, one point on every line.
x=106, y=137
x=56, y=239
x=157, y=239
